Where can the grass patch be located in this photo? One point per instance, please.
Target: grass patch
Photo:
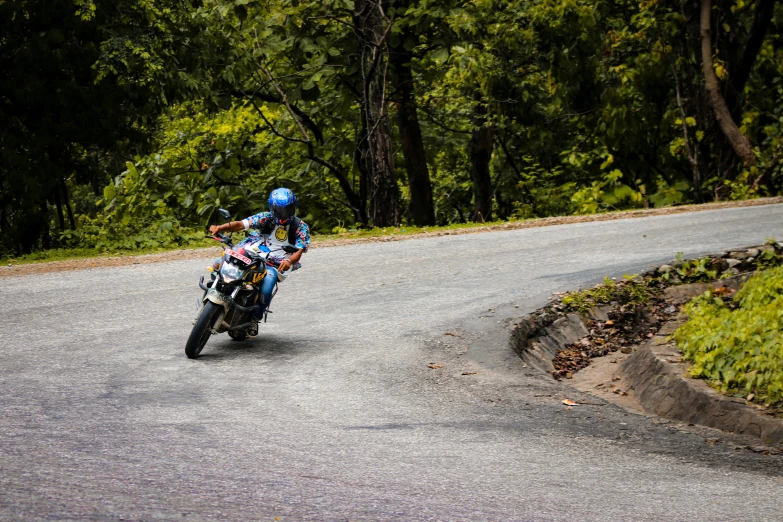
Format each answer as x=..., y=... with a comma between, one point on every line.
x=190, y=239
x=65, y=254
x=737, y=344
x=628, y=291
x=404, y=230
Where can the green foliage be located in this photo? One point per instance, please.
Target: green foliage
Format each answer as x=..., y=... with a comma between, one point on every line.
x=738, y=345
x=101, y=236
x=607, y=194
x=593, y=107
x=627, y=291
x=81, y=83
x=692, y=271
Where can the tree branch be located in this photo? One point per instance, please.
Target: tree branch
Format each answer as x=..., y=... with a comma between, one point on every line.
x=272, y=127
x=285, y=102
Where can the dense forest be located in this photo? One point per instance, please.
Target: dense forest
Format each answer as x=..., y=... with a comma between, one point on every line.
x=125, y=124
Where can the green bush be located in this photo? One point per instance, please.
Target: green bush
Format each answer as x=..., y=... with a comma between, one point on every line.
x=738, y=345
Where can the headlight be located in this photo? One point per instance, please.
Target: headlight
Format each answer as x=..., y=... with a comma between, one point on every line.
x=230, y=273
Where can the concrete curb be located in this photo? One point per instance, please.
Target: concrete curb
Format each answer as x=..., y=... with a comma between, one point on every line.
x=537, y=338
x=657, y=374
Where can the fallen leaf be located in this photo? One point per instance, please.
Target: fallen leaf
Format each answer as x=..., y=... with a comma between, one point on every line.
x=434, y=366
x=721, y=291
x=469, y=373
x=751, y=396
x=609, y=323
x=569, y=402
x=453, y=335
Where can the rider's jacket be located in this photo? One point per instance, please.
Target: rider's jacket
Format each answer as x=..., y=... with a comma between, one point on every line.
x=278, y=237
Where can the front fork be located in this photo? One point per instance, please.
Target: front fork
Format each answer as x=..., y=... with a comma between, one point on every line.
x=227, y=302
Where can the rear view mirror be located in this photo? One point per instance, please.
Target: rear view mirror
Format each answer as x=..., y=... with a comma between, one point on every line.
x=225, y=214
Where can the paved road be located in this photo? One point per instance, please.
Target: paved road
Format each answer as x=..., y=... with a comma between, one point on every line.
x=333, y=413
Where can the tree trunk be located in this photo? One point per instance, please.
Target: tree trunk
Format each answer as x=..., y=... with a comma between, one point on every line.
x=67, y=204
x=59, y=205
x=421, y=208
x=691, y=150
x=481, y=142
x=360, y=157
x=46, y=237
x=740, y=74
x=372, y=28
x=739, y=142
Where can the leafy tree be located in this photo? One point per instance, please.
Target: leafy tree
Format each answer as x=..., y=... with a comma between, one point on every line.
x=80, y=85
x=451, y=110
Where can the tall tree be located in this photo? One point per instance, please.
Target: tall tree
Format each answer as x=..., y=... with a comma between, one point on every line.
x=481, y=144
x=372, y=28
x=81, y=80
x=421, y=208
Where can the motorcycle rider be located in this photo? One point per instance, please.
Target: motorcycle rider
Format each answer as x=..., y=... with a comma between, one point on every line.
x=274, y=228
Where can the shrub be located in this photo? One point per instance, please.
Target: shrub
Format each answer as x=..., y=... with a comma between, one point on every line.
x=738, y=345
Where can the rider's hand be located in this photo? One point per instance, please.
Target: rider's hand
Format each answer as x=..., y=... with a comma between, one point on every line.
x=214, y=229
x=285, y=264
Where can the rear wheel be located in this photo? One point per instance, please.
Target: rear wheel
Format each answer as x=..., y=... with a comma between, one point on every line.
x=202, y=329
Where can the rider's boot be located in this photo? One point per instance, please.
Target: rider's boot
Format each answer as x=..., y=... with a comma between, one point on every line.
x=255, y=317
x=252, y=330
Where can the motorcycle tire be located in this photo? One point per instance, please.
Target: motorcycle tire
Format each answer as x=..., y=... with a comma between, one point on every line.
x=202, y=330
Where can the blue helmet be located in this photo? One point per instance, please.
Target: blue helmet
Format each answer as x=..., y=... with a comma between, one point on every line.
x=282, y=204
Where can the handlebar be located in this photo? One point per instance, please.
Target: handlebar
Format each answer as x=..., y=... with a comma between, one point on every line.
x=221, y=238
x=266, y=257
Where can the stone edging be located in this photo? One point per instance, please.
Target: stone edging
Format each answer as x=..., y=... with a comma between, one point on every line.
x=655, y=372
x=537, y=338
x=657, y=375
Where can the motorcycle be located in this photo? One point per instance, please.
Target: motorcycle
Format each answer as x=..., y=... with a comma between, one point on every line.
x=233, y=291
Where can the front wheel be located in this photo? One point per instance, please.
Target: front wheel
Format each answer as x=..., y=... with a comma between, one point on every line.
x=202, y=329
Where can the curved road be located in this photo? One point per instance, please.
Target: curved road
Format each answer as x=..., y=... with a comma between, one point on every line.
x=333, y=413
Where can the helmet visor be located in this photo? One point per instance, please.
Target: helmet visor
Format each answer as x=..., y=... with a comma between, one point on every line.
x=284, y=211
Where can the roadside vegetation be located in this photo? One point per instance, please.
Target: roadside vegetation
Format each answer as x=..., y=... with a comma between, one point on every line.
x=734, y=340
x=140, y=118
x=141, y=243
x=737, y=343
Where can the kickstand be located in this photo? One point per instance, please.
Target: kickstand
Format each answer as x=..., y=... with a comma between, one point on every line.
x=266, y=313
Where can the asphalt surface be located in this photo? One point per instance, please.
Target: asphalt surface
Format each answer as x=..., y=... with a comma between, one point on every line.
x=333, y=413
